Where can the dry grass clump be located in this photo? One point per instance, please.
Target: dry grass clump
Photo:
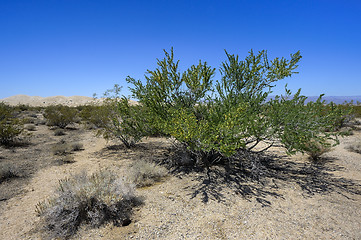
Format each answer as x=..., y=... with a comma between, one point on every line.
x=8, y=171
x=65, y=159
x=144, y=173
x=61, y=149
x=59, y=132
x=77, y=146
x=355, y=147
x=94, y=200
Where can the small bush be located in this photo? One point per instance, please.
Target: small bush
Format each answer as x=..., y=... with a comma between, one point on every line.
x=60, y=116
x=8, y=171
x=77, y=146
x=65, y=159
x=355, y=147
x=61, y=149
x=315, y=149
x=10, y=126
x=146, y=174
x=59, y=132
x=94, y=200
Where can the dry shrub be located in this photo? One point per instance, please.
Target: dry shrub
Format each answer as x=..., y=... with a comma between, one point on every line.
x=355, y=147
x=59, y=132
x=145, y=173
x=77, y=146
x=66, y=159
x=61, y=149
x=8, y=171
x=94, y=200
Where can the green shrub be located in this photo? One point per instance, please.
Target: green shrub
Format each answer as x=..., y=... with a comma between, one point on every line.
x=94, y=200
x=60, y=116
x=10, y=126
x=121, y=120
x=215, y=121
x=357, y=110
x=144, y=173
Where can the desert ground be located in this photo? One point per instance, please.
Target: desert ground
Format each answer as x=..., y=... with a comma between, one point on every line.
x=293, y=199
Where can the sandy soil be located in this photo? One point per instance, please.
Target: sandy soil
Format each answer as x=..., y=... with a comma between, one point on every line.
x=293, y=200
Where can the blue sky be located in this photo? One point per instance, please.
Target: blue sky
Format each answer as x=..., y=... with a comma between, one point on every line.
x=78, y=47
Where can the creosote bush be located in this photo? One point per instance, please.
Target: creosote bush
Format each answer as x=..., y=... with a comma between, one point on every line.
x=144, y=173
x=94, y=200
x=216, y=121
x=60, y=115
x=11, y=127
x=121, y=120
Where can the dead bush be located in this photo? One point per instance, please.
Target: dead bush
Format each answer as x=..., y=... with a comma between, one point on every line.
x=355, y=147
x=146, y=173
x=94, y=200
x=77, y=146
x=8, y=171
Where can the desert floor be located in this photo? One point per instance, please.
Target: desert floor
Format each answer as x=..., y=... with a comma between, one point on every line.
x=294, y=199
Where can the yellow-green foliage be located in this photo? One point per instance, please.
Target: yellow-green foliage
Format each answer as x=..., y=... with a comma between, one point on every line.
x=60, y=115
x=10, y=126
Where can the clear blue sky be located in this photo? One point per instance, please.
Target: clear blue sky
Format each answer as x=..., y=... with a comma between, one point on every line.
x=81, y=47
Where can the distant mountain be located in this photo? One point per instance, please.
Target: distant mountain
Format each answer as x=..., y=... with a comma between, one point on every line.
x=335, y=99
x=46, y=101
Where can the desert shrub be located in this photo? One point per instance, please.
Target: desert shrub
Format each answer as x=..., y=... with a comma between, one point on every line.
x=8, y=171
x=357, y=110
x=121, y=120
x=10, y=126
x=144, y=173
x=216, y=121
x=94, y=200
x=60, y=116
x=355, y=147
x=61, y=149
x=65, y=159
x=77, y=146
x=59, y=132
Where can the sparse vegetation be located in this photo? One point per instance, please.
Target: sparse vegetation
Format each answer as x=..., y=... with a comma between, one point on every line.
x=94, y=200
x=145, y=173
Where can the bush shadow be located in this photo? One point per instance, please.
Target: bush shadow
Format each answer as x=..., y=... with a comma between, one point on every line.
x=261, y=176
